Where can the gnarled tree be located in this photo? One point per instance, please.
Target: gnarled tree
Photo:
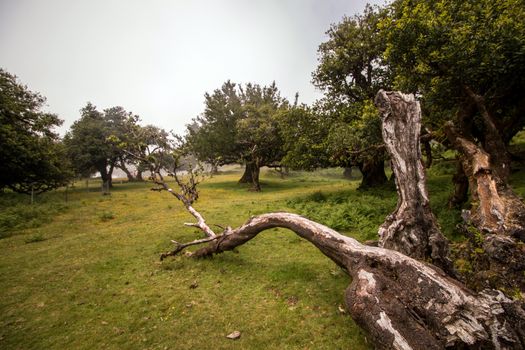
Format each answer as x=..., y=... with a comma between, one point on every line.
x=412, y=228
x=436, y=312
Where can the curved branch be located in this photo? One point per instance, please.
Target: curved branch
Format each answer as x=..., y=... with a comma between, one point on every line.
x=436, y=311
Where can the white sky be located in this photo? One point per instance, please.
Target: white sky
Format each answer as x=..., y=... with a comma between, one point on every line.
x=157, y=58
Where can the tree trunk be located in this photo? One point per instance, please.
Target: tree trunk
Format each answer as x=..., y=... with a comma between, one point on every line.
x=247, y=175
x=460, y=181
x=496, y=209
x=129, y=175
x=412, y=228
x=373, y=171
x=214, y=169
x=401, y=302
x=347, y=173
x=493, y=141
x=105, y=177
x=139, y=175
x=110, y=175
x=256, y=170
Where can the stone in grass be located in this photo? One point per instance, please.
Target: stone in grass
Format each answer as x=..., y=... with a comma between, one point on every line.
x=235, y=335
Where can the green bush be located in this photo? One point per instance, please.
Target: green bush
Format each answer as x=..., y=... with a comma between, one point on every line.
x=358, y=213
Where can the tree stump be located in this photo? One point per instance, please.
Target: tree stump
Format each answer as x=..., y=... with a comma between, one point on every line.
x=412, y=228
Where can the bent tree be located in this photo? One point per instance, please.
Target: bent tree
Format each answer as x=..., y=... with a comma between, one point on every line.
x=403, y=303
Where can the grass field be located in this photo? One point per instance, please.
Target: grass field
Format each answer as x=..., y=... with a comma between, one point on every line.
x=85, y=274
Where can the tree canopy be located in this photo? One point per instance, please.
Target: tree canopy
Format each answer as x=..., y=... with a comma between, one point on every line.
x=31, y=153
x=239, y=125
x=351, y=70
x=89, y=141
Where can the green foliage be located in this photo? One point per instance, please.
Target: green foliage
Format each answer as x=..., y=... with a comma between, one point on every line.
x=31, y=154
x=100, y=141
x=37, y=237
x=351, y=64
x=304, y=133
x=239, y=124
x=440, y=48
x=211, y=136
x=358, y=213
x=344, y=124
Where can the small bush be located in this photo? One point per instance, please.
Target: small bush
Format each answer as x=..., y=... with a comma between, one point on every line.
x=359, y=213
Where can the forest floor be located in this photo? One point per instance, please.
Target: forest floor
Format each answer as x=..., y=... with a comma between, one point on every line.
x=85, y=273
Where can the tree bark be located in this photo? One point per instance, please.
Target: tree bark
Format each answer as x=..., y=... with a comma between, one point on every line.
x=373, y=171
x=214, y=169
x=496, y=209
x=247, y=175
x=401, y=302
x=493, y=140
x=129, y=175
x=256, y=170
x=105, y=176
x=412, y=228
x=460, y=181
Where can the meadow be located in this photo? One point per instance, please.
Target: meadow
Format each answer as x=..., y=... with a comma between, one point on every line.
x=85, y=273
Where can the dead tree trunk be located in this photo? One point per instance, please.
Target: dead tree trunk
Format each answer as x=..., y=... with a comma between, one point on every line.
x=401, y=302
x=496, y=209
x=412, y=228
x=497, y=219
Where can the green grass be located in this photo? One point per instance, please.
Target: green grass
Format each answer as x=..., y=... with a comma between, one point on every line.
x=86, y=274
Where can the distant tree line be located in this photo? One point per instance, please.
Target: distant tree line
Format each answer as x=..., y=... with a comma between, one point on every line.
x=463, y=60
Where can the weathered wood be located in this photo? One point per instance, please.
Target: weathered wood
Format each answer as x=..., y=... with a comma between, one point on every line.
x=401, y=302
x=412, y=228
x=496, y=209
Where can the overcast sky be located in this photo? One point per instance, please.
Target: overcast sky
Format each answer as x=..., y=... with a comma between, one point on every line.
x=157, y=58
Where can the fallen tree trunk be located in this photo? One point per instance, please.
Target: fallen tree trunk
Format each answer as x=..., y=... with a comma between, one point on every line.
x=412, y=228
x=401, y=302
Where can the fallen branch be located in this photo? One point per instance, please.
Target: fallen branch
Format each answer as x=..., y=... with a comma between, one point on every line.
x=402, y=302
